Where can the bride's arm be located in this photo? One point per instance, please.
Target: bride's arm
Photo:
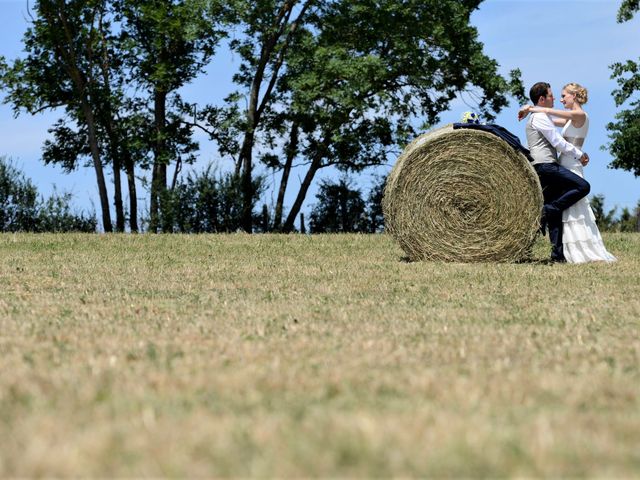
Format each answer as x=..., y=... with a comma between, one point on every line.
x=558, y=122
x=560, y=117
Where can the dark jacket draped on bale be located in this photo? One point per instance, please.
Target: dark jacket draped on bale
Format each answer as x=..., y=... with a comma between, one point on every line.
x=499, y=131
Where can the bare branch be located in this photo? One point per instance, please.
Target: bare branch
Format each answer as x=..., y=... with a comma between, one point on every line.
x=51, y=106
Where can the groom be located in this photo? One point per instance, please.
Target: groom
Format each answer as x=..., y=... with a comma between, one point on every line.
x=561, y=188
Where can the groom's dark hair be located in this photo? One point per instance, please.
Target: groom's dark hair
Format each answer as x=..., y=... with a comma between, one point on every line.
x=540, y=89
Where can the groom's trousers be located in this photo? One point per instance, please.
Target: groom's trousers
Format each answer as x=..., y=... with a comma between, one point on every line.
x=561, y=188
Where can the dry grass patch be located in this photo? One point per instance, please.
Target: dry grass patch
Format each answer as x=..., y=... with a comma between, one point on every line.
x=236, y=355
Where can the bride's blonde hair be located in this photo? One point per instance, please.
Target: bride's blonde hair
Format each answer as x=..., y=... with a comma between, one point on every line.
x=581, y=94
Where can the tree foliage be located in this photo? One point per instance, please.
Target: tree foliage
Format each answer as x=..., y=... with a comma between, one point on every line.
x=61, y=69
x=627, y=221
x=321, y=83
x=344, y=83
x=23, y=210
x=625, y=130
x=206, y=202
x=605, y=221
x=165, y=45
x=627, y=10
x=341, y=208
x=18, y=200
x=114, y=66
x=374, y=205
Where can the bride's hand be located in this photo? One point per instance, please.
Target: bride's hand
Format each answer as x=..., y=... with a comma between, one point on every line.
x=523, y=112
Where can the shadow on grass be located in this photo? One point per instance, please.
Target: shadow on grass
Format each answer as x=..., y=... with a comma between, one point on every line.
x=538, y=261
x=525, y=261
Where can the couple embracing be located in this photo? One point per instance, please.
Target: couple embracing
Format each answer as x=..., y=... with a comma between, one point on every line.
x=566, y=213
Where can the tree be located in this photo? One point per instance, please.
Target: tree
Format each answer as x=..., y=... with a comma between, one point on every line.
x=625, y=131
x=166, y=44
x=374, y=205
x=629, y=221
x=627, y=10
x=22, y=210
x=605, y=221
x=109, y=54
x=374, y=68
x=268, y=30
x=113, y=126
x=60, y=70
x=340, y=209
x=206, y=203
x=342, y=83
x=18, y=200
x=55, y=215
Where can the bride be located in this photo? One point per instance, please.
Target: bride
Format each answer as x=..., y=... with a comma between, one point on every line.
x=581, y=239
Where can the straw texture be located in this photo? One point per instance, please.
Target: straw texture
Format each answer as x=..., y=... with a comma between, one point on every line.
x=462, y=196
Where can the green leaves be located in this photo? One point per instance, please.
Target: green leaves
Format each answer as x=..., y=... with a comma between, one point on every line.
x=340, y=209
x=357, y=78
x=628, y=9
x=21, y=209
x=625, y=139
x=625, y=131
x=362, y=61
x=628, y=85
x=166, y=43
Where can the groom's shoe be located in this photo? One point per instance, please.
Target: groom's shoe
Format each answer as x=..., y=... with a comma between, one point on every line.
x=557, y=254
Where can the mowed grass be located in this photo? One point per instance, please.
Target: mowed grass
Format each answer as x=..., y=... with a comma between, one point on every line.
x=299, y=356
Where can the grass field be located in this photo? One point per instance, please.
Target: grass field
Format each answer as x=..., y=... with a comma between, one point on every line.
x=290, y=356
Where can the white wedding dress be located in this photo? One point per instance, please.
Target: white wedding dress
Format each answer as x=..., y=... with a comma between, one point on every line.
x=581, y=239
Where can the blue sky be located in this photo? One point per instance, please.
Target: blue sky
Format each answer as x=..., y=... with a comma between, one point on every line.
x=556, y=41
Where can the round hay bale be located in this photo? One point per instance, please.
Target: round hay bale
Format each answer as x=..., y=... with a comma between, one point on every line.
x=463, y=196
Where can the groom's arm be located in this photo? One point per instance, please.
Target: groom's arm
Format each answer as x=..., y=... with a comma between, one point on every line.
x=545, y=126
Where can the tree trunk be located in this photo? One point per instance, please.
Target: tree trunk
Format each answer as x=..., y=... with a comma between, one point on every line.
x=66, y=51
x=154, y=201
x=302, y=193
x=97, y=164
x=303, y=227
x=291, y=151
x=115, y=152
x=108, y=120
x=246, y=153
x=159, y=174
x=133, y=195
x=176, y=173
x=117, y=195
x=257, y=106
x=117, y=169
x=246, y=221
